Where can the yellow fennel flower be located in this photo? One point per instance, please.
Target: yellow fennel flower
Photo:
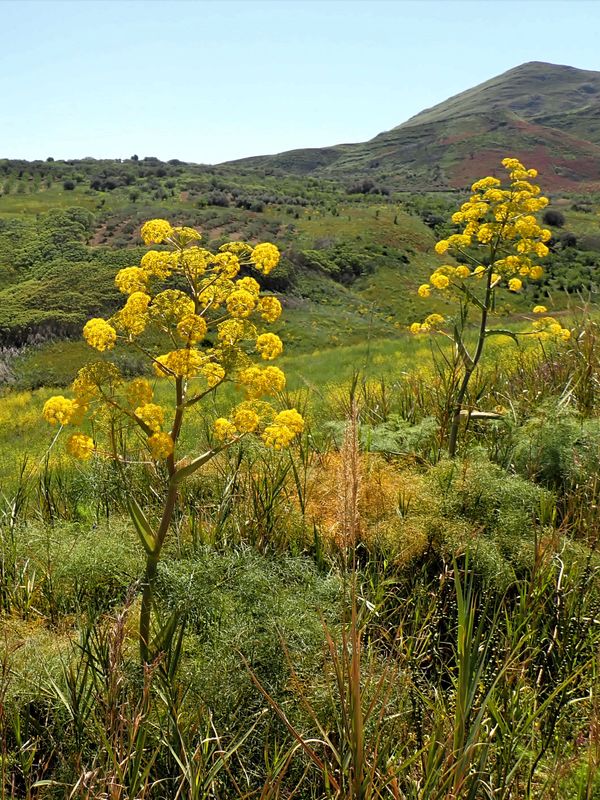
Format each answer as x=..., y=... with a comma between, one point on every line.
x=269, y=346
x=462, y=271
x=249, y=284
x=241, y=303
x=291, y=419
x=269, y=308
x=161, y=445
x=424, y=290
x=192, y=328
x=186, y=234
x=80, y=446
x=228, y=264
x=195, y=261
x=231, y=331
x=156, y=231
x=214, y=374
x=171, y=306
x=535, y=273
x=540, y=310
x=224, y=429
x=99, y=334
x=131, y=279
x=133, y=317
x=152, y=414
x=515, y=285
x=442, y=247
x=245, y=419
x=156, y=264
x=278, y=436
x=59, y=410
x=265, y=257
x=433, y=320
x=258, y=382
x=139, y=392
x=439, y=280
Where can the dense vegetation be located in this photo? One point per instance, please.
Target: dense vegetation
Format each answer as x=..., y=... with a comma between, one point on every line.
x=356, y=617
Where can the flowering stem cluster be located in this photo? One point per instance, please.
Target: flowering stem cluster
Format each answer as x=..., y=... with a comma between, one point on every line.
x=499, y=245
x=209, y=317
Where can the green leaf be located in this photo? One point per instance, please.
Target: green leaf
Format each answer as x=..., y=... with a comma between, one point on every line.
x=502, y=332
x=141, y=524
x=189, y=469
x=472, y=297
x=164, y=637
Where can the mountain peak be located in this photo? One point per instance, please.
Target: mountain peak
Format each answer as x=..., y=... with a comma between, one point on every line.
x=545, y=114
x=529, y=89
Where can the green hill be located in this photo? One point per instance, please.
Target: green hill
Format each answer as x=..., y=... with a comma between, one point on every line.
x=546, y=114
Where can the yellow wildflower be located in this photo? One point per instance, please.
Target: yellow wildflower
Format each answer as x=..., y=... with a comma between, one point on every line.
x=59, y=410
x=258, y=382
x=439, y=280
x=278, y=436
x=186, y=234
x=131, y=279
x=231, y=331
x=424, y=290
x=153, y=415
x=192, y=328
x=161, y=445
x=269, y=308
x=540, y=310
x=536, y=273
x=171, y=306
x=156, y=231
x=241, y=303
x=265, y=257
x=291, y=419
x=515, y=285
x=249, y=284
x=245, y=419
x=224, y=429
x=157, y=264
x=214, y=373
x=269, y=346
x=99, y=334
x=80, y=446
x=133, y=317
x=139, y=392
x=228, y=264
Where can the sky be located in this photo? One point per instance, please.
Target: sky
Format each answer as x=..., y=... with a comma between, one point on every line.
x=210, y=81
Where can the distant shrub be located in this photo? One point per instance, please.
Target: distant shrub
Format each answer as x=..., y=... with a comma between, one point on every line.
x=568, y=239
x=218, y=199
x=69, y=185
x=554, y=218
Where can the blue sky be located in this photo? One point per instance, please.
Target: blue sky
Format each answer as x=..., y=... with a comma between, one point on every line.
x=211, y=81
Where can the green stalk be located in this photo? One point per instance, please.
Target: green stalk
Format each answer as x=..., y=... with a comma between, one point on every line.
x=472, y=364
x=165, y=522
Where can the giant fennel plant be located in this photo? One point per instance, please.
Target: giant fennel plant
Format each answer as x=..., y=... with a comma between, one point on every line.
x=500, y=244
x=211, y=317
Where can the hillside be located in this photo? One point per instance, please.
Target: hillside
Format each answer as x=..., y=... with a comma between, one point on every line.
x=356, y=223
x=546, y=114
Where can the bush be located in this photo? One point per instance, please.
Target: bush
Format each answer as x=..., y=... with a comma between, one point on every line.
x=554, y=218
